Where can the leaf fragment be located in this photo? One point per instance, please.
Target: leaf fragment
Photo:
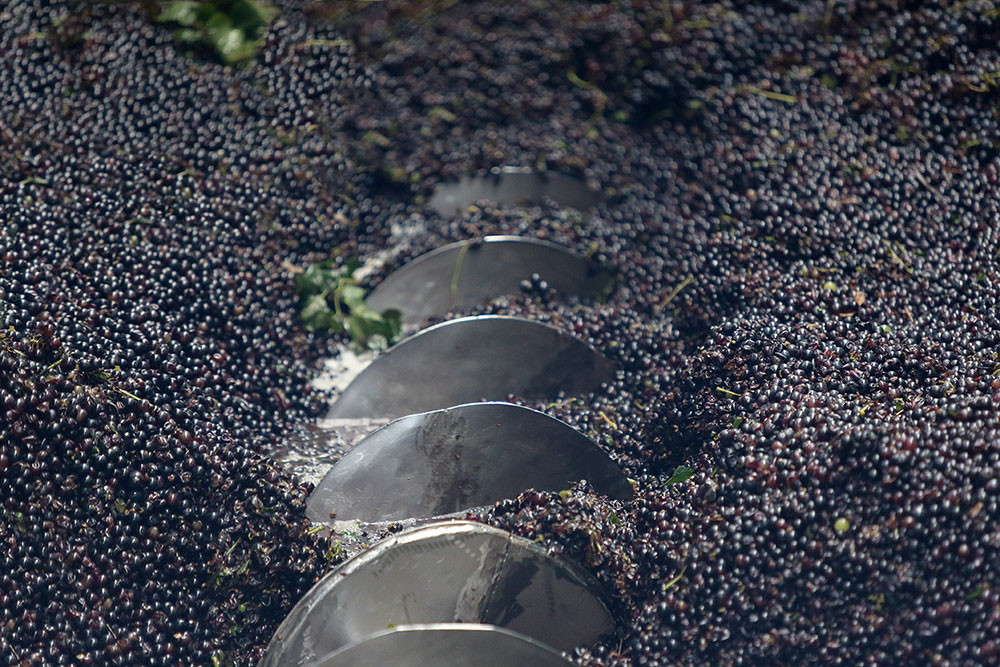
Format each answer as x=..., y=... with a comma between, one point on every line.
x=681, y=474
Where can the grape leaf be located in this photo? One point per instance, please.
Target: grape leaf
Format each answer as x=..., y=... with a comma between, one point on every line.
x=681, y=474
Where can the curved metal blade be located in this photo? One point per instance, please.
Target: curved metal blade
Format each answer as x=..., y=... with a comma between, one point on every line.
x=450, y=572
x=511, y=186
x=445, y=645
x=470, y=359
x=470, y=272
x=449, y=460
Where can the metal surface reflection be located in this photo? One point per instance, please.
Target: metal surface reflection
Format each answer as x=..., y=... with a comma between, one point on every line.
x=445, y=645
x=512, y=186
x=449, y=572
x=471, y=359
x=448, y=460
x=470, y=272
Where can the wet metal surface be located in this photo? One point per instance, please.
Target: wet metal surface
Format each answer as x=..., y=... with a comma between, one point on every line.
x=445, y=645
x=512, y=186
x=470, y=272
x=449, y=460
x=310, y=450
x=449, y=572
x=471, y=359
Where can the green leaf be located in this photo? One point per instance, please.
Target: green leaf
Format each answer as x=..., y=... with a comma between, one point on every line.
x=355, y=326
x=309, y=281
x=366, y=326
x=222, y=34
x=251, y=16
x=220, y=659
x=231, y=28
x=184, y=12
x=681, y=474
x=230, y=44
x=374, y=324
x=187, y=35
x=333, y=301
x=317, y=278
x=354, y=297
x=316, y=313
x=394, y=318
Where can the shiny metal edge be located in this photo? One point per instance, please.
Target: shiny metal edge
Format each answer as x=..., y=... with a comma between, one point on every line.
x=550, y=652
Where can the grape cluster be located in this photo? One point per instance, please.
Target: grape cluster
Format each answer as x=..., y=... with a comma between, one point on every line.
x=127, y=538
x=150, y=349
x=801, y=205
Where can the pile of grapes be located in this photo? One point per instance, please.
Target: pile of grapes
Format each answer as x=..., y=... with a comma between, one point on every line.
x=802, y=207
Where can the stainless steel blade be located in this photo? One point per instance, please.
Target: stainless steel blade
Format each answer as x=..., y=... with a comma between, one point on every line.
x=448, y=572
x=445, y=645
x=512, y=186
x=470, y=359
x=470, y=272
x=448, y=460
